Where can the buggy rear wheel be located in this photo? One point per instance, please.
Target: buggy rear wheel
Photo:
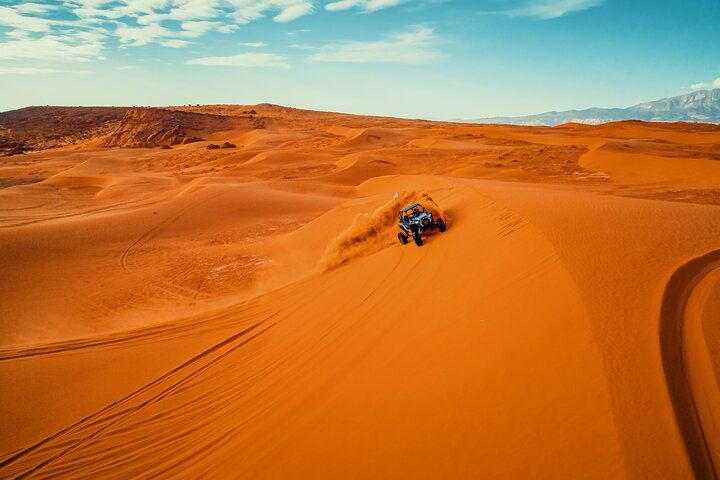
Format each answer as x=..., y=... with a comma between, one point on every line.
x=441, y=225
x=403, y=238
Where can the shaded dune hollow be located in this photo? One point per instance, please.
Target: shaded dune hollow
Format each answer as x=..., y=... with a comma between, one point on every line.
x=228, y=298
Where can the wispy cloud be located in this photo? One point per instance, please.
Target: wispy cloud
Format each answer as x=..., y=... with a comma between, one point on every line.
x=253, y=44
x=26, y=70
x=293, y=12
x=367, y=5
x=143, y=35
x=81, y=30
x=246, y=60
x=706, y=86
x=32, y=36
x=296, y=32
x=36, y=8
x=175, y=43
x=285, y=10
x=16, y=19
x=81, y=47
x=549, y=9
x=134, y=23
x=414, y=47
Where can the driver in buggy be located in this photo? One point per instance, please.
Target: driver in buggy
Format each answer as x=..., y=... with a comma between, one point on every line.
x=415, y=221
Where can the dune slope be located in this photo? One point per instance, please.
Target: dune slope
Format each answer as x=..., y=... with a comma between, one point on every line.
x=248, y=312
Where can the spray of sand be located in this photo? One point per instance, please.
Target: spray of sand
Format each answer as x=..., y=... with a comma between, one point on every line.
x=371, y=232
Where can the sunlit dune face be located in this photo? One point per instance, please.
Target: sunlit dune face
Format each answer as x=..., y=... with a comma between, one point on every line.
x=220, y=291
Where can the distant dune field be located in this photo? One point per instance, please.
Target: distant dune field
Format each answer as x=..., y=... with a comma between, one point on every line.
x=219, y=292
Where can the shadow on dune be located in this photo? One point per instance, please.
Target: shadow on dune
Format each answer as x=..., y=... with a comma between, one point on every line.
x=672, y=315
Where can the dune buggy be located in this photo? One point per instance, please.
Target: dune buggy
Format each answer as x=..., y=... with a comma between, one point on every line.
x=414, y=221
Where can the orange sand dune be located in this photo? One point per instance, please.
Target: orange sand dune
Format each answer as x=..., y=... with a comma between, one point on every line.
x=248, y=312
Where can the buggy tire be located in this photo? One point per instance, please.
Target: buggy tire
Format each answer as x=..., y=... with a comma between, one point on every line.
x=441, y=225
x=403, y=238
x=417, y=238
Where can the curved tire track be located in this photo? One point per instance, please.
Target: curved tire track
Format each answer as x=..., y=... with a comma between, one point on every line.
x=77, y=435
x=672, y=318
x=159, y=228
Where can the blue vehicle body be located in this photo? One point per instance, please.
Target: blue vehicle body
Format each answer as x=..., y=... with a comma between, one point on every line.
x=414, y=221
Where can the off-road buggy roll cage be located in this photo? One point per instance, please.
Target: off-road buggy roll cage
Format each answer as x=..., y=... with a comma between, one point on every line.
x=414, y=221
x=410, y=211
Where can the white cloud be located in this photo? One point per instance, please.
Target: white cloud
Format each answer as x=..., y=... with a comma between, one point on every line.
x=343, y=5
x=132, y=22
x=194, y=9
x=138, y=36
x=51, y=47
x=81, y=30
x=134, y=8
x=294, y=12
x=367, y=5
x=706, y=86
x=253, y=44
x=26, y=70
x=227, y=28
x=34, y=37
x=175, y=43
x=249, y=10
x=10, y=17
x=35, y=8
x=150, y=31
x=549, y=9
x=415, y=47
x=295, y=32
x=373, y=5
x=243, y=60
x=197, y=28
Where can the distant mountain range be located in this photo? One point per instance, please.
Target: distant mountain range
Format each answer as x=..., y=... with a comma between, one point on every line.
x=701, y=106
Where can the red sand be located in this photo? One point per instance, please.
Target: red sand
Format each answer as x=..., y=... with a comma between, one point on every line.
x=248, y=312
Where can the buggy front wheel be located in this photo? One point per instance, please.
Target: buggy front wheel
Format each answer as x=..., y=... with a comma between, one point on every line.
x=417, y=238
x=403, y=238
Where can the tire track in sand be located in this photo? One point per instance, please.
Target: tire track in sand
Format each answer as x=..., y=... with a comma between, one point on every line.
x=674, y=350
x=158, y=229
x=56, y=446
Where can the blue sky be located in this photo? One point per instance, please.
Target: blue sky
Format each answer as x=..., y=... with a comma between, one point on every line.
x=438, y=59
